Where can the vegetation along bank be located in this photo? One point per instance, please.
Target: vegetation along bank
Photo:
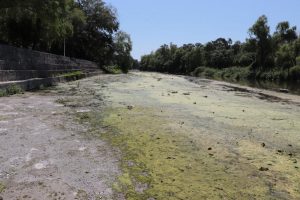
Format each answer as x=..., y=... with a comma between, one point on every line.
x=263, y=56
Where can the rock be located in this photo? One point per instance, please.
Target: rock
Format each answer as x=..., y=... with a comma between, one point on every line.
x=205, y=96
x=1, y=198
x=263, y=169
x=195, y=103
x=186, y=93
x=284, y=90
x=171, y=158
x=263, y=144
x=209, y=149
x=280, y=151
x=130, y=107
x=174, y=92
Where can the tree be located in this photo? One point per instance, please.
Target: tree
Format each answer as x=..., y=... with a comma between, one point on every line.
x=285, y=57
x=93, y=40
x=123, y=47
x=37, y=24
x=260, y=32
x=284, y=33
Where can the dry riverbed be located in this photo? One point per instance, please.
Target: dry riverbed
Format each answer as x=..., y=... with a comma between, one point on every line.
x=150, y=136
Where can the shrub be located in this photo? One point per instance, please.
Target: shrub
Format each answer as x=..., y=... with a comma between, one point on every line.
x=298, y=61
x=3, y=93
x=113, y=69
x=210, y=72
x=246, y=59
x=198, y=71
x=295, y=72
x=11, y=90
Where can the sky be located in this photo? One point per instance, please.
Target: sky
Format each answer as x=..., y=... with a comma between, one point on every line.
x=152, y=23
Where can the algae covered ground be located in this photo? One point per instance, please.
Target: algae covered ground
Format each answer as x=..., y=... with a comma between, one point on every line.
x=154, y=136
x=197, y=139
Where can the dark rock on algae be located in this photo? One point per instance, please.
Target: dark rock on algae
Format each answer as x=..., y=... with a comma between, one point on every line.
x=263, y=169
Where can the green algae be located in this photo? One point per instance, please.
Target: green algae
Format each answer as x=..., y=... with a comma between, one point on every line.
x=169, y=165
x=2, y=187
x=166, y=160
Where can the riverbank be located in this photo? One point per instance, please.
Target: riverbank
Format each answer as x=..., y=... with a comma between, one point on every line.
x=277, y=80
x=159, y=136
x=205, y=139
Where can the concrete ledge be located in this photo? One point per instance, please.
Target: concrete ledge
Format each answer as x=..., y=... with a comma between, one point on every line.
x=36, y=83
x=15, y=75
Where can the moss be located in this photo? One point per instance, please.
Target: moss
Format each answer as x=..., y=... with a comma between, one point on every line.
x=2, y=188
x=71, y=74
x=168, y=162
x=63, y=101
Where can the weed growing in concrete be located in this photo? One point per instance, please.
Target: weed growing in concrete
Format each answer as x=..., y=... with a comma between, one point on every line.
x=11, y=90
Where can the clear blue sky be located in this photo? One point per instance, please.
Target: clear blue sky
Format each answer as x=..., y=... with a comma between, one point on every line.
x=152, y=23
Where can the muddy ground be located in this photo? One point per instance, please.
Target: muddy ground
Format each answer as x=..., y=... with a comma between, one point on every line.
x=150, y=136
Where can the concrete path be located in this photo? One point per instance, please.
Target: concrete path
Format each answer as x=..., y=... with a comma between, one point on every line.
x=45, y=153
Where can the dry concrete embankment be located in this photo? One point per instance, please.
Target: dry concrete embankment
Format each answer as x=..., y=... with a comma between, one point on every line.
x=32, y=69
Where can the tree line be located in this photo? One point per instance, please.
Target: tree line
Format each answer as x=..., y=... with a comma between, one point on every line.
x=262, y=55
x=88, y=28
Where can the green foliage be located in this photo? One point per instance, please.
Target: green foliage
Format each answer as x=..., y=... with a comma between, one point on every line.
x=113, y=69
x=261, y=33
x=86, y=27
x=231, y=73
x=11, y=90
x=295, y=72
x=123, y=47
x=262, y=56
x=285, y=57
x=71, y=74
x=38, y=24
x=284, y=33
x=93, y=39
x=3, y=93
x=2, y=187
x=298, y=61
x=245, y=59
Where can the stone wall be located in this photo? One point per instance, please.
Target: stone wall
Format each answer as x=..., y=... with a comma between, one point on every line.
x=17, y=65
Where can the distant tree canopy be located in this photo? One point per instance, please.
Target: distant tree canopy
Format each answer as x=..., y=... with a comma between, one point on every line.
x=87, y=26
x=260, y=52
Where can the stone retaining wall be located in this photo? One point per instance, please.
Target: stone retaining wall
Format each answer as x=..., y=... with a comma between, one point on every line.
x=20, y=66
